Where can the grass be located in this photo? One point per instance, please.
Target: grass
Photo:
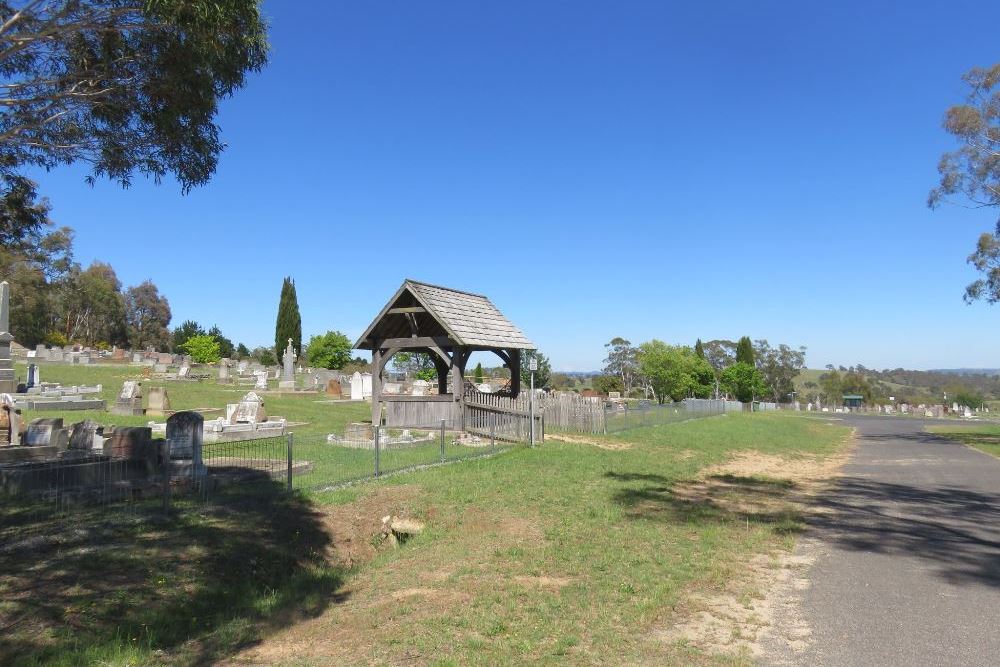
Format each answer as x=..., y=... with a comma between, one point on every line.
x=565, y=553
x=984, y=437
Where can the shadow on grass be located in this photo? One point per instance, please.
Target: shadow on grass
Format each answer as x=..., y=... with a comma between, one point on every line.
x=717, y=499
x=95, y=587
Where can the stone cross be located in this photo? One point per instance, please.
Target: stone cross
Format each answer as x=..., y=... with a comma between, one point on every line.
x=288, y=362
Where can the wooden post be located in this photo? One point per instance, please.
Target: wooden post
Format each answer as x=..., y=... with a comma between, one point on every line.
x=376, y=384
x=515, y=372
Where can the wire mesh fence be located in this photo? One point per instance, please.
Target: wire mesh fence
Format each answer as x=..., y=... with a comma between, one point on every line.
x=375, y=452
x=623, y=416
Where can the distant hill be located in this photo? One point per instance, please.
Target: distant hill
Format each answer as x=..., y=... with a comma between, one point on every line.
x=967, y=371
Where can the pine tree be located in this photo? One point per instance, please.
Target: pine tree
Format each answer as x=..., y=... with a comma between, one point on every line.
x=289, y=323
x=744, y=351
x=699, y=349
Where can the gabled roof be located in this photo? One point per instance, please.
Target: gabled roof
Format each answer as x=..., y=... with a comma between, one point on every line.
x=467, y=319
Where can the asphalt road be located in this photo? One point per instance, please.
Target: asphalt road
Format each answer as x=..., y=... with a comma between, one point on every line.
x=908, y=558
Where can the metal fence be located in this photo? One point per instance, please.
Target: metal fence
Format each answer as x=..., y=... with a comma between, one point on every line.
x=332, y=461
x=622, y=416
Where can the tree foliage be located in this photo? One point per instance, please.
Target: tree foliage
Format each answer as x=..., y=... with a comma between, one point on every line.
x=477, y=374
x=542, y=375
x=264, y=355
x=606, y=384
x=330, y=350
x=242, y=352
x=147, y=313
x=124, y=85
x=289, y=321
x=972, y=173
x=417, y=365
x=621, y=361
x=743, y=381
x=720, y=353
x=699, y=349
x=779, y=367
x=675, y=371
x=226, y=348
x=744, y=351
x=188, y=329
x=203, y=348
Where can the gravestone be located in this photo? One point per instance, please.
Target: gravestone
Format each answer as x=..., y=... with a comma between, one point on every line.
x=250, y=410
x=7, y=384
x=164, y=358
x=356, y=387
x=136, y=358
x=287, y=368
x=129, y=399
x=224, y=370
x=34, y=378
x=333, y=389
x=185, y=432
x=184, y=371
x=159, y=402
x=83, y=436
x=159, y=368
x=40, y=432
x=261, y=380
x=10, y=421
x=242, y=367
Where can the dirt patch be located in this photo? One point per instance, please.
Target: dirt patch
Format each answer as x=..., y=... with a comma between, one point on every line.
x=353, y=527
x=759, y=616
x=612, y=445
x=548, y=583
x=752, y=627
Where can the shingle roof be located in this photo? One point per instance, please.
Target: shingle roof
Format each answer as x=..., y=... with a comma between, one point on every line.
x=469, y=319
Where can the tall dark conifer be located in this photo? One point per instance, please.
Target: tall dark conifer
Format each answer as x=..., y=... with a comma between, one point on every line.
x=289, y=323
x=699, y=349
x=744, y=351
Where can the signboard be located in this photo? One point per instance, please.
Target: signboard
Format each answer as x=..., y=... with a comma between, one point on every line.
x=533, y=365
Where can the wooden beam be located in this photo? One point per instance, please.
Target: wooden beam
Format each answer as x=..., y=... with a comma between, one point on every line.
x=377, y=365
x=418, y=341
x=515, y=372
x=403, y=311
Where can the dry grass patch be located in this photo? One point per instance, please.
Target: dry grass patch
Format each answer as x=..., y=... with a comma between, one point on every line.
x=611, y=445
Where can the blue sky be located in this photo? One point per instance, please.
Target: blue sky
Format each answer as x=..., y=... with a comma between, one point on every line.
x=661, y=169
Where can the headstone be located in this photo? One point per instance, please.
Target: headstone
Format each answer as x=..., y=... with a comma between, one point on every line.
x=184, y=371
x=165, y=358
x=34, y=378
x=250, y=410
x=10, y=421
x=136, y=358
x=134, y=443
x=288, y=363
x=40, y=431
x=117, y=354
x=614, y=395
x=159, y=402
x=224, y=370
x=356, y=387
x=129, y=399
x=83, y=435
x=185, y=431
x=7, y=384
x=241, y=367
x=333, y=389
x=261, y=383
x=159, y=368
x=84, y=358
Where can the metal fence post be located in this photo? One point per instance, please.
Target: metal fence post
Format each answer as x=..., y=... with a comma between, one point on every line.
x=289, y=475
x=442, y=441
x=378, y=430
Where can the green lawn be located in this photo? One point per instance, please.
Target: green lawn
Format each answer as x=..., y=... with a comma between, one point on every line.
x=564, y=553
x=984, y=437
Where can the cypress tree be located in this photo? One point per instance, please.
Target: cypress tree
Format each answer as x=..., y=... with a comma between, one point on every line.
x=479, y=373
x=699, y=349
x=289, y=323
x=744, y=351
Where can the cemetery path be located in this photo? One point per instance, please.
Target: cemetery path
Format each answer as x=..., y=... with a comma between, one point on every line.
x=907, y=554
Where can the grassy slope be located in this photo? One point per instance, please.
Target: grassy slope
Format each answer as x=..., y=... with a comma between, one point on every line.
x=984, y=437
x=604, y=525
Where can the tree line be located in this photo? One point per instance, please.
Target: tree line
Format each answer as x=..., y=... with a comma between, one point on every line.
x=745, y=370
